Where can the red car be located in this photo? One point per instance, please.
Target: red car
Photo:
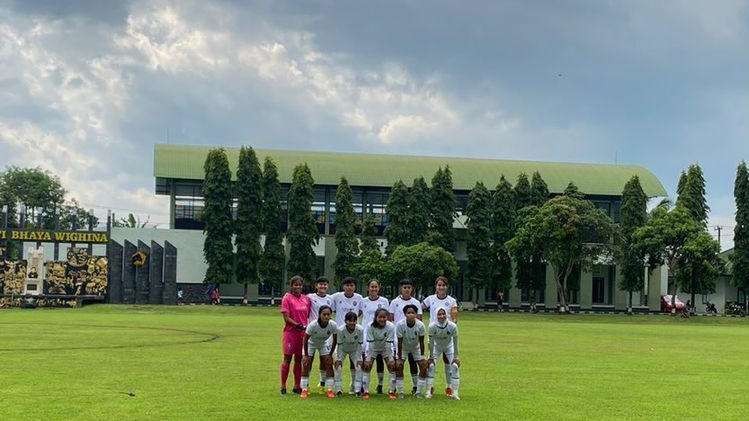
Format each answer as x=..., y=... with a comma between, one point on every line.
x=666, y=304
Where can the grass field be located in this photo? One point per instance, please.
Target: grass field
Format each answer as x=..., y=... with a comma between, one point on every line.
x=198, y=362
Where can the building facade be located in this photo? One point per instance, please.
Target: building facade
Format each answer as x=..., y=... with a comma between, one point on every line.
x=178, y=171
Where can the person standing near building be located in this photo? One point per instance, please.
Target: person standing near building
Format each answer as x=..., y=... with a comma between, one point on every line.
x=370, y=304
x=295, y=311
x=344, y=302
x=318, y=299
x=396, y=308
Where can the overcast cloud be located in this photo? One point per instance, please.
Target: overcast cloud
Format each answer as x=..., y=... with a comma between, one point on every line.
x=86, y=88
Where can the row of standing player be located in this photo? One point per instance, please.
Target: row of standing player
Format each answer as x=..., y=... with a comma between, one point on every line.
x=390, y=334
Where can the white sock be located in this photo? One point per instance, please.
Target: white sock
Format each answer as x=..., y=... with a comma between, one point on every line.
x=420, y=384
x=329, y=383
x=358, y=379
x=392, y=382
x=399, y=384
x=322, y=376
x=447, y=375
x=414, y=380
x=338, y=378
x=380, y=377
x=365, y=381
x=305, y=382
x=455, y=380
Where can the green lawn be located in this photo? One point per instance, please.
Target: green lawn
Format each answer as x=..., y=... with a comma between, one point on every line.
x=198, y=362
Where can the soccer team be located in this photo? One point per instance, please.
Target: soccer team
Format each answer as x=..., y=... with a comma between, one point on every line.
x=390, y=333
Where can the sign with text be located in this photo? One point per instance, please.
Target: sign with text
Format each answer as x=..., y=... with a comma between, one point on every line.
x=48, y=236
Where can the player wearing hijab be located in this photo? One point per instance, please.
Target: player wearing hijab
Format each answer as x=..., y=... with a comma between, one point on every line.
x=318, y=299
x=370, y=304
x=350, y=343
x=317, y=339
x=441, y=300
x=410, y=334
x=443, y=341
x=397, y=315
x=380, y=336
x=344, y=302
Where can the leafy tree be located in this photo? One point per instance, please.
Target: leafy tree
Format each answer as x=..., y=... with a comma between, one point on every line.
x=273, y=259
x=442, y=213
x=248, y=226
x=217, y=247
x=560, y=231
x=664, y=237
x=72, y=216
x=422, y=263
x=130, y=222
x=573, y=191
x=345, y=237
x=302, y=233
x=418, y=211
x=539, y=190
x=478, y=243
x=740, y=256
x=370, y=264
x=629, y=257
x=692, y=194
x=699, y=265
x=522, y=192
x=503, y=229
x=398, y=231
x=39, y=191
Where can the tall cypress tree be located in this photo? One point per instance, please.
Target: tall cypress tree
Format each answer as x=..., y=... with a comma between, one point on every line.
x=369, y=234
x=273, y=259
x=740, y=257
x=397, y=231
x=248, y=226
x=302, y=234
x=443, y=210
x=539, y=195
x=539, y=190
x=503, y=229
x=523, y=267
x=522, y=192
x=478, y=243
x=345, y=237
x=418, y=211
x=629, y=257
x=695, y=191
x=219, y=228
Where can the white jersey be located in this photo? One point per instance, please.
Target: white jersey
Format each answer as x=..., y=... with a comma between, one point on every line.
x=343, y=304
x=316, y=302
x=443, y=339
x=409, y=335
x=318, y=335
x=369, y=307
x=434, y=304
x=350, y=342
x=396, y=308
x=381, y=340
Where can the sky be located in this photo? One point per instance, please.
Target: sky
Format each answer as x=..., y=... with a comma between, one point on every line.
x=87, y=88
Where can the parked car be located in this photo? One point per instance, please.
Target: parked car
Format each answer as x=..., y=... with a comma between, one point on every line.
x=666, y=304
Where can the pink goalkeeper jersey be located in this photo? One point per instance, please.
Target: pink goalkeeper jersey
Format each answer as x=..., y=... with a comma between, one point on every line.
x=297, y=308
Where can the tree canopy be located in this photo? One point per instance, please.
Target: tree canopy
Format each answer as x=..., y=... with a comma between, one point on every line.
x=248, y=226
x=422, y=263
x=302, y=233
x=217, y=216
x=347, y=245
x=478, y=242
x=629, y=257
x=740, y=256
x=273, y=258
x=442, y=211
x=398, y=231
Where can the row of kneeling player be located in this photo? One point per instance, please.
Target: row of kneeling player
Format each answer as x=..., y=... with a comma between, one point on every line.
x=395, y=343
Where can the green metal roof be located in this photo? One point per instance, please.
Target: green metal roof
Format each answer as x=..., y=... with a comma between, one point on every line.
x=186, y=162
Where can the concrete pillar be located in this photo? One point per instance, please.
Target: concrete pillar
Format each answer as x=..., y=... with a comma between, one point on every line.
x=142, y=282
x=128, y=274
x=170, y=274
x=114, y=278
x=156, y=274
x=586, y=290
x=551, y=288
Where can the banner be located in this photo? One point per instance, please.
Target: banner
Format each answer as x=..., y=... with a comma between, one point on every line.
x=49, y=236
